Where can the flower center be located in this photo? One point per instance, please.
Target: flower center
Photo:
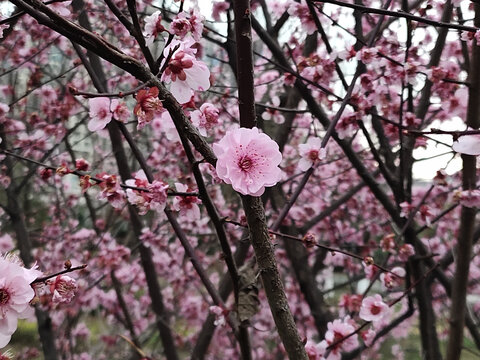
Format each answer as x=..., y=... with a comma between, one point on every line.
x=245, y=163
x=313, y=155
x=375, y=310
x=4, y=296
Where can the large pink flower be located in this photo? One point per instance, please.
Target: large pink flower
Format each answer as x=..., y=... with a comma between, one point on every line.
x=15, y=296
x=248, y=160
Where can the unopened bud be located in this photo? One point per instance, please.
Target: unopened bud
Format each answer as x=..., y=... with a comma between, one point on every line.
x=309, y=240
x=368, y=260
x=67, y=265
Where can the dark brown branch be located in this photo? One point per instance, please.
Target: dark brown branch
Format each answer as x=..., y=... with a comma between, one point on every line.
x=401, y=14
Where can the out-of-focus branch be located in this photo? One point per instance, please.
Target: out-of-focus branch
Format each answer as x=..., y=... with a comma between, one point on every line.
x=467, y=219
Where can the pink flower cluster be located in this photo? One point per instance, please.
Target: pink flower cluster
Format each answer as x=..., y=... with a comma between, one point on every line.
x=103, y=110
x=154, y=197
x=248, y=160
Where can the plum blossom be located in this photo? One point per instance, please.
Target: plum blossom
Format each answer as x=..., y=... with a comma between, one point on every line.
x=467, y=144
x=301, y=11
x=148, y=106
x=314, y=351
x=111, y=190
x=100, y=114
x=248, y=160
x=154, y=198
x=393, y=278
x=219, y=8
x=310, y=153
x=15, y=295
x=182, y=25
x=219, y=315
x=368, y=336
x=81, y=164
x=153, y=27
x=206, y=118
x=468, y=198
x=335, y=337
x=103, y=110
x=186, y=204
x=373, y=308
x=184, y=72
x=63, y=289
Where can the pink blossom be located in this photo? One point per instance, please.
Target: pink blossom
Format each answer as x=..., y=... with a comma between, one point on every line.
x=314, y=351
x=467, y=144
x=148, y=106
x=466, y=35
x=111, y=190
x=219, y=8
x=100, y=114
x=15, y=296
x=373, y=308
x=180, y=26
x=120, y=110
x=248, y=160
x=206, y=118
x=186, y=204
x=303, y=13
x=219, y=315
x=393, y=278
x=63, y=289
x=184, y=24
x=468, y=198
x=184, y=71
x=6, y=243
x=310, y=153
x=405, y=251
x=368, y=336
x=81, y=164
x=336, y=337
x=367, y=55
x=153, y=26
x=154, y=197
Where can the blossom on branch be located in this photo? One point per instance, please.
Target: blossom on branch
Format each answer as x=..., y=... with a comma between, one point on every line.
x=183, y=71
x=373, y=308
x=153, y=27
x=100, y=114
x=248, y=160
x=205, y=119
x=310, y=153
x=148, y=105
x=152, y=196
x=63, y=289
x=111, y=190
x=339, y=338
x=15, y=295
